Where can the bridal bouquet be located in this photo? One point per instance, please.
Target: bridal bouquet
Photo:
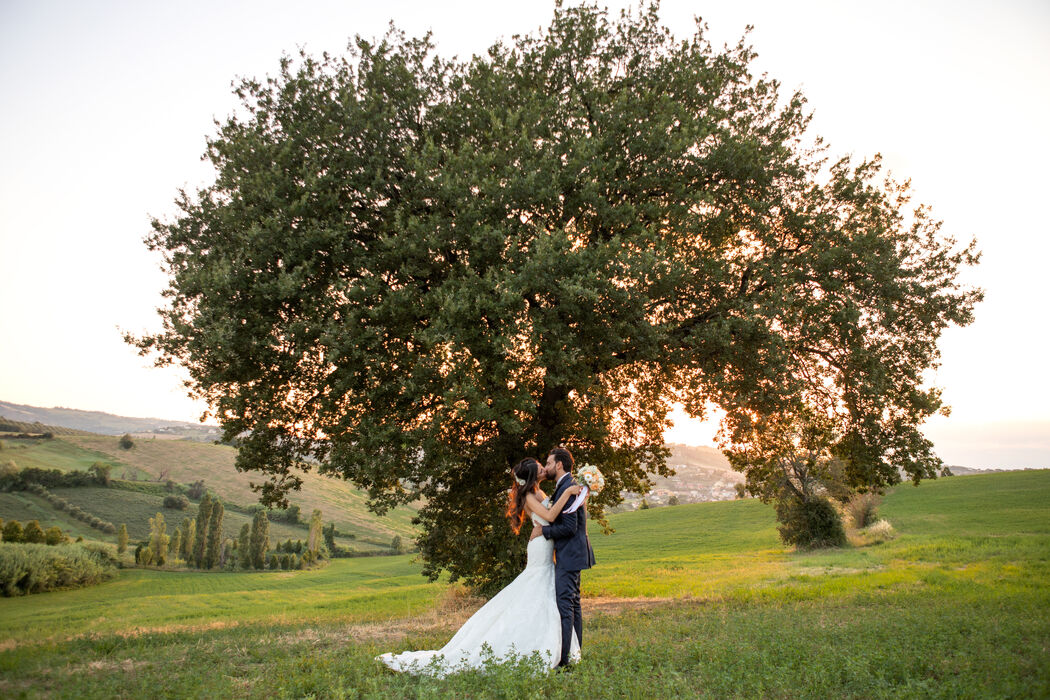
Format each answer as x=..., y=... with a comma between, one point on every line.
x=593, y=478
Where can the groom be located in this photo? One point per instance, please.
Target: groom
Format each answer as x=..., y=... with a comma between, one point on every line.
x=572, y=551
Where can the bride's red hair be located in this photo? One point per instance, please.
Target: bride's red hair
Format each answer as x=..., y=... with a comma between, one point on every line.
x=527, y=470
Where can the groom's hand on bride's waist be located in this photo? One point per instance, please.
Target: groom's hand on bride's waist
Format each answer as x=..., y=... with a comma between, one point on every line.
x=537, y=531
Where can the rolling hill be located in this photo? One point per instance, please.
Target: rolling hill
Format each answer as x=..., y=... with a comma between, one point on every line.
x=184, y=462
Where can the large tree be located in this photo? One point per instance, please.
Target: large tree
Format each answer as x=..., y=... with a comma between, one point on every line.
x=413, y=271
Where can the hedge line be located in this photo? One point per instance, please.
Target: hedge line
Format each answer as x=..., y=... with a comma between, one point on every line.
x=35, y=568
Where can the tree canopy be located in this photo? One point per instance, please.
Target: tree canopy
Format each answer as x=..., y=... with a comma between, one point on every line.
x=413, y=271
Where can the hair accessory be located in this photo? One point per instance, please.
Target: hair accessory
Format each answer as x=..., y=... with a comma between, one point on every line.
x=521, y=482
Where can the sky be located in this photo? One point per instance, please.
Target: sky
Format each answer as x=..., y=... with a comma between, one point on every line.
x=106, y=106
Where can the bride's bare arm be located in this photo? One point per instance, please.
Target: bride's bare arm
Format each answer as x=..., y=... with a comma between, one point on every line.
x=549, y=514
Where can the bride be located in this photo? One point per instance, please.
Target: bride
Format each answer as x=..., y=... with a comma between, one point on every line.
x=522, y=618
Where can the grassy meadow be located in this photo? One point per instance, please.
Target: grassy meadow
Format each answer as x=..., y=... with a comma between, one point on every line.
x=696, y=601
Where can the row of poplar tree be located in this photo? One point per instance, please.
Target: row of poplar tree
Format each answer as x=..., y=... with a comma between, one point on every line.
x=198, y=542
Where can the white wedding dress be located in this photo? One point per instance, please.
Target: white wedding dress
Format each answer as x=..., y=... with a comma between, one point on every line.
x=520, y=620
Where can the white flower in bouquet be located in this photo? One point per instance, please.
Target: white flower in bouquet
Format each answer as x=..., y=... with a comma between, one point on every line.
x=592, y=478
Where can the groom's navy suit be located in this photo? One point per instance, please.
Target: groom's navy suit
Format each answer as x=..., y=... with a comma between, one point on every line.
x=572, y=554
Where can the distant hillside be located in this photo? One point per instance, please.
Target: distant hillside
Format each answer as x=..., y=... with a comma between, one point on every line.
x=701, y=474
x=185, y=461
x=105, y=423
x=36, y=428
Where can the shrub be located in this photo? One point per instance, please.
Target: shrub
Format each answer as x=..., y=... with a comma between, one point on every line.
x=176, y=502
x=809, y=524
x=877, y=533
x=34, y=533
x=53, y=535
x=35, y=568
x=13, y=531
x=100, y=471
x=122, y=539
x=126, y=443
x=103, y=552
x=272, y=562
x=673, y=501
x=286, y=561
x=862, y=509
x=196, y=490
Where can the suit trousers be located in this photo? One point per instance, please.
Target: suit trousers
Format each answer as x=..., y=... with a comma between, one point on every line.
x=567, y=593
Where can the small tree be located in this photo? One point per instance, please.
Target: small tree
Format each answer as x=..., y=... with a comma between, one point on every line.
x=158, y=540
x=787, y=460
x=189, y=530
x=201, y=536
x=101, y=472
x=122, y=539
x=13, y=531
x=126, y=443
x=225, y=552
x=196, y=490
x=213, y=550
x=673, y=501
x=53, y=535
x=314, y=538
x=397, y=545
x=259, y=540
x=244, y=553
x=176, y=544
x=644, y=505
x=34, y=533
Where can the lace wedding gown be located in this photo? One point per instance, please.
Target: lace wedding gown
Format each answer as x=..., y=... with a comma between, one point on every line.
x=521, y=619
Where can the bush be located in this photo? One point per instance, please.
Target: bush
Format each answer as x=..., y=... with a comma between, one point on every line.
x=126, y=443
x=13, y=531
x=35, y=568
x=176, y=502
x=809, y=524
x=103, y=553
x=862, y=509
x=33, y=533
x=272, y=563
x=196, y=490
x=53, y=535
x=286, y=561
x=877, y=533
x=101, y=471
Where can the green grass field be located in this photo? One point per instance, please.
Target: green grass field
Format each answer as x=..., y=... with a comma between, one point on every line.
x=58, y=454
x=695, y=601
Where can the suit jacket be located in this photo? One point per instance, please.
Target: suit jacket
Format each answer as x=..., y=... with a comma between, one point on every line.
x=572, y=547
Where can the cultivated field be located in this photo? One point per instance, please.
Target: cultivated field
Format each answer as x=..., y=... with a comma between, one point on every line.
x=697, y=600
x=185, y=461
